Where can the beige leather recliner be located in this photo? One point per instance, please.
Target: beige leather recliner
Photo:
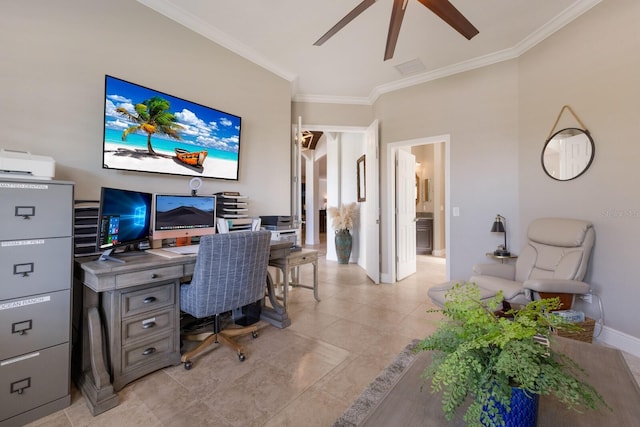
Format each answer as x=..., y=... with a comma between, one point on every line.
x=551, y=264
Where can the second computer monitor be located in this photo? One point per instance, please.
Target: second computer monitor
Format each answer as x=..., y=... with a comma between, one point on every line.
x=177, y=216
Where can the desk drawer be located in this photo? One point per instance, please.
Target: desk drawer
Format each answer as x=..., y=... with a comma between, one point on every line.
x=151, y=298
x=294, y=261
x=29, y=267
x=30, y=210
x=33, y=379
x=147, y=324
x=147, y=352
x=34, y=322
x=155, y=275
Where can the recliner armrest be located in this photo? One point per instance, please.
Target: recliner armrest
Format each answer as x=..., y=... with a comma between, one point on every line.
x=563, y=286
x=505, y=271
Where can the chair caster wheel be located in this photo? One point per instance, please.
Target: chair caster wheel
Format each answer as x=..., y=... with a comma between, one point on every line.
x=188, y=365
x=254, y=334
x=241, y=357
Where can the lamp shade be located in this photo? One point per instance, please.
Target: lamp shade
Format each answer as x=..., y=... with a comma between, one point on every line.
x=497, y=227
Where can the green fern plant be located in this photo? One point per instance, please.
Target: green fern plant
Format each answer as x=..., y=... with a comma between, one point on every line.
x=479, y=355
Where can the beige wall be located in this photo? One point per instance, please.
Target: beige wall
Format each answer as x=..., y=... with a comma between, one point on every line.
x=594, y=66
x=332, y=114
x=498, y=119
x=478, y=110
x=54, y=58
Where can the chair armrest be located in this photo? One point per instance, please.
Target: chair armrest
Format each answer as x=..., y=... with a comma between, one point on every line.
x=563, y=286
x=505, y=271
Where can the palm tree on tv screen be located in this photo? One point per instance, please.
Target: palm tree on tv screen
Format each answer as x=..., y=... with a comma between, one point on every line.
x=152, y=116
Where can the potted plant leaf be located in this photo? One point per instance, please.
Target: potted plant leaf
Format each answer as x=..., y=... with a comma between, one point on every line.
x=492, y=360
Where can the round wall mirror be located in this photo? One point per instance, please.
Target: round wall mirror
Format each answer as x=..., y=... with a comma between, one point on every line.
x=567, y=154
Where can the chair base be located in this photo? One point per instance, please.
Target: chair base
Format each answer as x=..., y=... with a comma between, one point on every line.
x=209, y=338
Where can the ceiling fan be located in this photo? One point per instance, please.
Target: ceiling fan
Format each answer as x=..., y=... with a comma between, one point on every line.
x=443, y=8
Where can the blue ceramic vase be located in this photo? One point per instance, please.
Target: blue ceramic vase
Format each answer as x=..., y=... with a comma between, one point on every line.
x=524, y=409
x=343, y=246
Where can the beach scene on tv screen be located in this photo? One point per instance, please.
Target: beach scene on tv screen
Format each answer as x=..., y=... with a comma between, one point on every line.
x=150, y=131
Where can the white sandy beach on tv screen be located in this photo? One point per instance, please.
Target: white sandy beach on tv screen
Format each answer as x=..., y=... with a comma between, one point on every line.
x=122, y=156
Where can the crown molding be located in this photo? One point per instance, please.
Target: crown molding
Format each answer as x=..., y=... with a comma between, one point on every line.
x=168, y=9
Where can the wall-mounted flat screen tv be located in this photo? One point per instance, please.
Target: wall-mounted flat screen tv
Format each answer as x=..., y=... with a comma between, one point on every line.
x=150, y=131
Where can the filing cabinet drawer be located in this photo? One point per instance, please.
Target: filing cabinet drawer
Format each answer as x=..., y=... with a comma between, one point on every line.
x=147, y=352
x=148, y=276
x=33, y=379
x=34, y=266
x=147, y=324
x=35, y=209
x=148, y=299
x=33, y=322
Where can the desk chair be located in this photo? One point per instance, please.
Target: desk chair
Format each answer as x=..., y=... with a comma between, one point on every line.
x=229, y=274
x=551, y=264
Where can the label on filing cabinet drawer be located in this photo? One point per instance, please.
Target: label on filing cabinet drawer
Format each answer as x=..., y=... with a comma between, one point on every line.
x=31, y=211
x=31, y=323
x=34, y=266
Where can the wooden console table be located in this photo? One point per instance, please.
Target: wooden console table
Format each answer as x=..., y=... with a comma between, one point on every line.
x=408, y=402
x=131, y=320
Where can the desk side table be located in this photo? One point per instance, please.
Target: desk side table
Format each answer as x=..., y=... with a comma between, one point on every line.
x=291, y=263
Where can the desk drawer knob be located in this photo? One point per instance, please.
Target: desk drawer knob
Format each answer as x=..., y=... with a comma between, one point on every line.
x=154, y=276
x=149, y=351
x=149, y=300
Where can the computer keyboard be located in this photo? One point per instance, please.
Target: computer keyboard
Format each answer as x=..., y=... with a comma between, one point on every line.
x=183, y=250
x=176, y=251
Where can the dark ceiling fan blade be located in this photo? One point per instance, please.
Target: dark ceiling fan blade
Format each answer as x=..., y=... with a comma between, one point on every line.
x=452, y=16
x=397, y=15
x=344, y=21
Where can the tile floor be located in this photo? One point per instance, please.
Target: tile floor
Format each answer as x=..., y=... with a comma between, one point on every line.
x=303, y=375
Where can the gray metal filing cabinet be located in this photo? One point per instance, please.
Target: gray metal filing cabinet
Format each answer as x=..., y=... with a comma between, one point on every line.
x=36, y=243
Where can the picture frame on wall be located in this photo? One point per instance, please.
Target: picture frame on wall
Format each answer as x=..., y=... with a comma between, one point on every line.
x=361, y=167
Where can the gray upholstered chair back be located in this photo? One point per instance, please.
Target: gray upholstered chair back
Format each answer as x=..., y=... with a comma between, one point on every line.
x=558, y=248
x=230, y=272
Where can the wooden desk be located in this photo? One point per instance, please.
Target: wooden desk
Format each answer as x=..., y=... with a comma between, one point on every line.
x=291, y=264
x=131, y=320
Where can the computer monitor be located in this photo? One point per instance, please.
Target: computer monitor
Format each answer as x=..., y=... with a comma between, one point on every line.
x=124, y=220
x=178, y=216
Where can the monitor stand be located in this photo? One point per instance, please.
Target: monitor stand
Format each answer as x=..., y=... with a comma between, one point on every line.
x=106, y=256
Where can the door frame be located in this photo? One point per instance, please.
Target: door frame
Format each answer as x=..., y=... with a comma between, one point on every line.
x=389, y=229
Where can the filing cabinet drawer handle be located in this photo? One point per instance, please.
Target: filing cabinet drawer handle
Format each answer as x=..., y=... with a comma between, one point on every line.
x=149, y=300
x=23, y=269
x=20, y=385
x=21, y=328
x=148, y=325
x=26, y=212
x=149, y=351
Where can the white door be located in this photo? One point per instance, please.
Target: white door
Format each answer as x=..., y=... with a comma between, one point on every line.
x=405, y=214
x=372, y=204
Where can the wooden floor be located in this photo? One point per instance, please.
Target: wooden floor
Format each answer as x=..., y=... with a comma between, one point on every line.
x=304, y=375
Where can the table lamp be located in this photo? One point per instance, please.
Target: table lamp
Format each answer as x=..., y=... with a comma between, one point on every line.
x=500, y=226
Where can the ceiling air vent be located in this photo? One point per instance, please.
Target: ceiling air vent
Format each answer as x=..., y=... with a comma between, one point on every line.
x=411, y=67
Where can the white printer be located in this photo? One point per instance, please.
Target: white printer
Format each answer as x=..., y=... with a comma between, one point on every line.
x=22, y=164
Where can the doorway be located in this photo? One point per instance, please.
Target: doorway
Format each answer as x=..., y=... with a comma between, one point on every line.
x=432, y=195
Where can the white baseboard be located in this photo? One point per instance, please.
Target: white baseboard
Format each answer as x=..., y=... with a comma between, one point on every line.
x=619, y=340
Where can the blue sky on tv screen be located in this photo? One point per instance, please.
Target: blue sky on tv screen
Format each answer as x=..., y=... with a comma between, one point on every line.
x=202, y=126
